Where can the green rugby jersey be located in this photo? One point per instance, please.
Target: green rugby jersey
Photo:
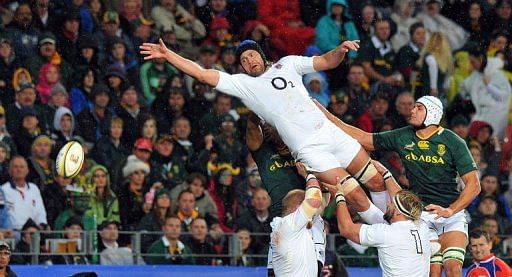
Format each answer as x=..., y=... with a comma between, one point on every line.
x=278, y=175
x=431, y=164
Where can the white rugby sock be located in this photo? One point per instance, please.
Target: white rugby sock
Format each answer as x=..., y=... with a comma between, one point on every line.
x=372, y=215
x=380, y=199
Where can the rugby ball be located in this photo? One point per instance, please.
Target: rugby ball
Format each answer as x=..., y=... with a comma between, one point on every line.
x=70, y=160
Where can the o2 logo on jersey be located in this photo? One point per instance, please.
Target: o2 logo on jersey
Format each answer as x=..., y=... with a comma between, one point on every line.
x=280, y=83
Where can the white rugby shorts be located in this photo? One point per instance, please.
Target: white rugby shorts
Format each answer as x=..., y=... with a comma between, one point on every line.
x=329, y=148
x=437, y=227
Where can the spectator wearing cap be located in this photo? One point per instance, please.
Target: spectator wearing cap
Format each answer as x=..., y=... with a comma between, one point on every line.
x=24, y=244
x=111, y=253
x=5, y=258
x=503, y=16
x=153, y=76
x=79, y=209
x=67, y=34
x=118, y=55
x=208, y=59
x=169, y=105
x=27, y=204
x=170, y=249
x=339, y=106
x=154, y=220
x=94, y=122
x=22, y=32
x=186, y=27
x=74, y=230
x=56, y=198
x=63, y=128
x=8, y=65
x=25, y=97
x=132, y=113
x=219, y=33
x=404, y=103
x=59, y=97
x=460, y=126
x=318, y=87
x=28, y=131
x=131, y=197
x=111, y=28
x=5, y=137
x=373, y=119
x=335, y=27
x=109, y=149
x=47, y=53
x=87, y=57
x=116, y=79
x=167, y=165
x=40, y=164
x=142, y=31
x=142, y=149
x=80, y=95
x=104, y=204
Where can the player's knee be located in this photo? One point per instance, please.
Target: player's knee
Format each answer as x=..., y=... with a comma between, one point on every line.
x=453, y=258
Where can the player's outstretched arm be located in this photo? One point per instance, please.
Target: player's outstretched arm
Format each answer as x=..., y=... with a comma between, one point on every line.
x=391, y=185
x=347, y=227
x=364, y=138
x=470, y=191
x=334, y=57
x=253, y=133
x=156, y=51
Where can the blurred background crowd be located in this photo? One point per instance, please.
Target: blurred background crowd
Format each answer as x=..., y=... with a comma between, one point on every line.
x=167, y=153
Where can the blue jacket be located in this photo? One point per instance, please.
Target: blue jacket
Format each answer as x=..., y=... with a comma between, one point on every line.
x=324, y=96
x=5, y=221
x=328, y=34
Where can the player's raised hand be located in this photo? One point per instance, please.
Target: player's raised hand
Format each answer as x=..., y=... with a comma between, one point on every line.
x=301, y=169
x=350, y=45
x=380, y=167
x=439, y=211
x=154, y=51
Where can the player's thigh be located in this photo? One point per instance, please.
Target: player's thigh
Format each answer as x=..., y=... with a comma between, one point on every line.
x=332, y=176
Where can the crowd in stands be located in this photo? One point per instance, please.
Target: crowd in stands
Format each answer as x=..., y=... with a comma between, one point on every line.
x=167, y=153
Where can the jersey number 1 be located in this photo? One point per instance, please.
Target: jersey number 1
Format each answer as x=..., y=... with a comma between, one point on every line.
x=417, y=240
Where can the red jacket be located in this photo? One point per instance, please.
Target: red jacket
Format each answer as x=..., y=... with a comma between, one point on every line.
x=489, y=267
x=276, y=13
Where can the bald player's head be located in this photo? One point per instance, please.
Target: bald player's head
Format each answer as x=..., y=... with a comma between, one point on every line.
x=292, y=201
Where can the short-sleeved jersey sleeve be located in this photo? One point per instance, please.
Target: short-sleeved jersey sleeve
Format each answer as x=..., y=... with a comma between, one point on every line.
x=464, y=162
x=296, y=220
x=373, y=235
x=386, y=141
x=231, y=85
x=303, y=65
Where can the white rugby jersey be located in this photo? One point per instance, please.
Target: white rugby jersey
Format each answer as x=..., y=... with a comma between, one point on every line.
x=403, y=246
x=293, y=249
x=280, y=98
x=319, y=237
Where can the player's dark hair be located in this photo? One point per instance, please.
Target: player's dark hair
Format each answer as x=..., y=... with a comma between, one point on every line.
x=478, y=233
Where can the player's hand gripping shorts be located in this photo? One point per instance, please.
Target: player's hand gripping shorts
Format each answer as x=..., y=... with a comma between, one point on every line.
x=437, y=227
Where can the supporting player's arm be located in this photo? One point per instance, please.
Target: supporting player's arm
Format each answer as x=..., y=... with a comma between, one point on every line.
x=156, y=51
x=391, y=185
x=313, y=198
x=347, y=227
x=334, y=57
x=470, y=191
x=364, y=138
x=253, y=133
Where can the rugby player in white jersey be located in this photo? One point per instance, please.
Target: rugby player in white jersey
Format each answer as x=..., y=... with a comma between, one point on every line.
x=292, y=241
x=275, y=92
x=402, y=243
